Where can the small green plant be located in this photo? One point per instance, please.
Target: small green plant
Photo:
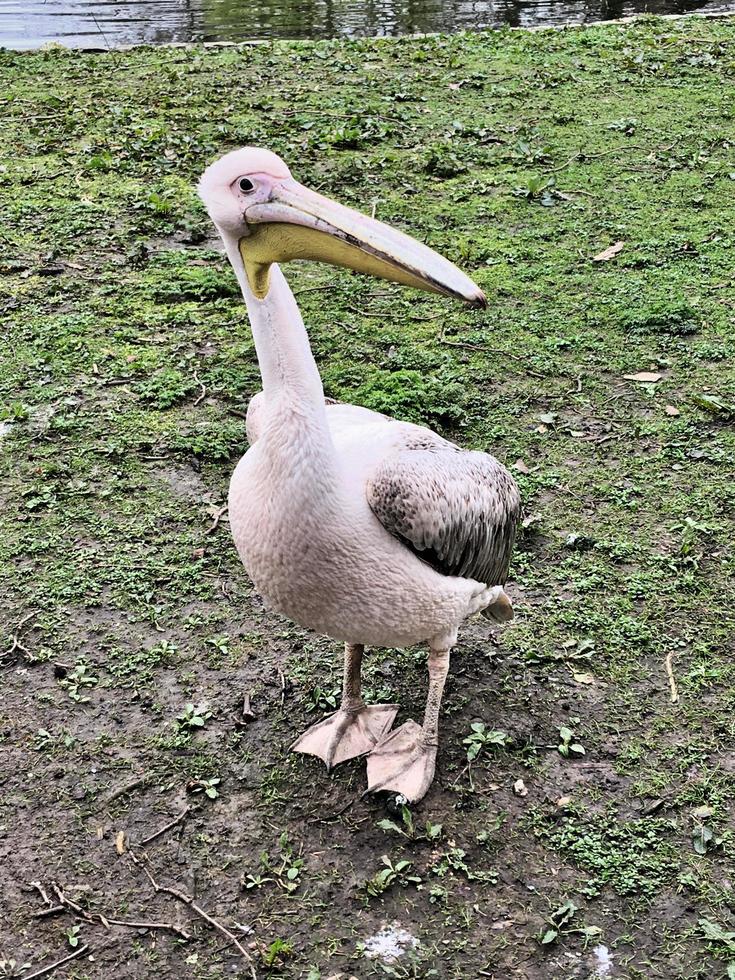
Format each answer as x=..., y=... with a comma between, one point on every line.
x=454, y=860
x=714, y=933
x=254, y=881
x=321, y=700
x=193, y=716
x=206, y=786
x=44, y=741
x=567, y=746
x=538, y=189
x=72, y=936
x=382, y=880
x=560, y=922
x=409, y=830
x=480, y=738
x=13, y=413
x=220, y=643
x=277, y=953
x=626, y=126
x=77, y=680
x=286, y=870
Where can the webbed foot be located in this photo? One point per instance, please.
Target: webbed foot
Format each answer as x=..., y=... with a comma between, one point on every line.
x=404, y=762
x=348, y=733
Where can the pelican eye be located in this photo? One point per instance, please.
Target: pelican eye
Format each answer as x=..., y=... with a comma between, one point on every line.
x=246, y=185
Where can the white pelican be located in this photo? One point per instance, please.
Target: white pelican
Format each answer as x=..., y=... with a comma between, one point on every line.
x=372, y=531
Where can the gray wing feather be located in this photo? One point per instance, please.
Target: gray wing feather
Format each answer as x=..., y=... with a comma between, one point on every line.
x=458, y=510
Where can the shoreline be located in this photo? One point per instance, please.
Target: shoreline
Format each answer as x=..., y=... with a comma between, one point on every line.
x=259, y=42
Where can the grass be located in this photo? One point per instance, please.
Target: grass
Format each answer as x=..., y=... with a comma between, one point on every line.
x=521, y=156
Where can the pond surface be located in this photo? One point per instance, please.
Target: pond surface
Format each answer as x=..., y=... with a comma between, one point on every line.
x=107, y=23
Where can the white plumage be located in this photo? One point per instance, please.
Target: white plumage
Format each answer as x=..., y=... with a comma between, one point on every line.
x=373, y=531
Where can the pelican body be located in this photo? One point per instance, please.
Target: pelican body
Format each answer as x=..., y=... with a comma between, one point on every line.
x=372, y=531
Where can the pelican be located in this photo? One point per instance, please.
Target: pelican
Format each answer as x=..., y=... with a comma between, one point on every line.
x=373, y=531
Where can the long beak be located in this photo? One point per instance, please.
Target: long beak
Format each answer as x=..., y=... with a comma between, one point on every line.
x=296, y=223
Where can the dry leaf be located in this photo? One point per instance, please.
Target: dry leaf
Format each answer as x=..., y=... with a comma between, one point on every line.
x=120, y=842
x=584, y=678
x=647, y=376
x=531, y=520
x=564, y=801
x=609, y=253
x=672, y=410
x=521, y=467
x=519, y=788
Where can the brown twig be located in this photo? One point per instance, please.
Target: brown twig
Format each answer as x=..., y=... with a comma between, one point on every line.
x=200, y=397
x=314, y=289
x=54, y=966
x=42, y=891
x=381, y=316
x=126, y=788
x=188, y=900
x=144, y=924
x=50, y=909
x=484, y=349
x=16, y=644
x=66, y=904
x=670, y=674
x=217, y=517
x=169, y=826
x=75, y=907
x=581, y=155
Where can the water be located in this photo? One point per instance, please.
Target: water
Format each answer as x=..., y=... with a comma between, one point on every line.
x=107, y=23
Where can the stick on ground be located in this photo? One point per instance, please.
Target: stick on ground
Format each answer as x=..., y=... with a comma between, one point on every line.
x=672, y=680
x=55, y=966
x=169, y=826
x=188, y=900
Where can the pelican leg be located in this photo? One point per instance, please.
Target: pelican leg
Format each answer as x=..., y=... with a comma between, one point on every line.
x=356, y=728
x=405, y=761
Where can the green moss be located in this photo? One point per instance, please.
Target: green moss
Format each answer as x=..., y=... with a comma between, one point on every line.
x=635, y=857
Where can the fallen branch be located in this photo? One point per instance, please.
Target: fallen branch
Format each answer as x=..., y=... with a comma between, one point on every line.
x=672, y=680
x=581, y=155
x=143, y=924
x=77, y=909
x=314, y=289
x=15, y=642
x=50, y=909
x=483, y=349
x=54, y=966
x=217, y=517
x=169, y=826
x=188, y=900
x=67, y=905
x=201, y=396
x=126, y=788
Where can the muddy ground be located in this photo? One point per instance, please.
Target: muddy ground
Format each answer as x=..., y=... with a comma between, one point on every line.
x=524, y=158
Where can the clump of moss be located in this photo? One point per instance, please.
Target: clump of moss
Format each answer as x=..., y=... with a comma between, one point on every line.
x=165, y=388
x=412, y=397
x=634, y=857
x=677, y=318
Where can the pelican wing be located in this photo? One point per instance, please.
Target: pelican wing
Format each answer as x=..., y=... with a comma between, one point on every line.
x=457, y=510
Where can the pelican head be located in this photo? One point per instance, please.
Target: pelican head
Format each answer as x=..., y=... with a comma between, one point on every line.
x=254, y=201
